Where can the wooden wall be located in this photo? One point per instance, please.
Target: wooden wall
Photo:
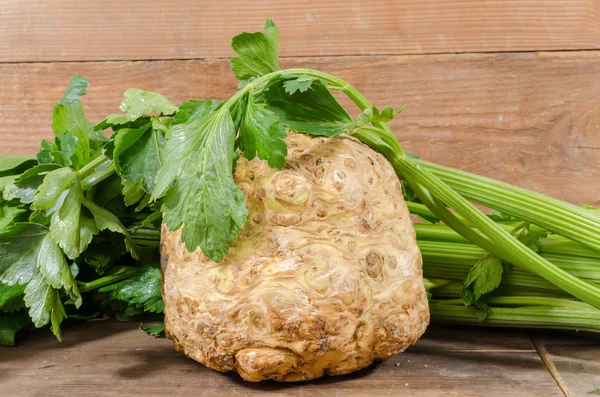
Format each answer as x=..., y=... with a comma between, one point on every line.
x=508, y=89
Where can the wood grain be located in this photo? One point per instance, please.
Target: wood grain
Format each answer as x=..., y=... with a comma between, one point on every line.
x=576, y=360
x=531, y=119
x=63, y=30
x=109, y=358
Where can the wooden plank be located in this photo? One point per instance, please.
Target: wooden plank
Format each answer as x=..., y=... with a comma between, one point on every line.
x=63, y=30
x=108, y=358
x=530, y=119
x=576, y=360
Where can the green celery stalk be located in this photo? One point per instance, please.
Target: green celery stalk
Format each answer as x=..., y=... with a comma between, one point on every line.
x=469, y=254
x=511, y=277
x=523, y=317
x=505, y=245
x=454, y=287
x=558, y=216
x=552, y=244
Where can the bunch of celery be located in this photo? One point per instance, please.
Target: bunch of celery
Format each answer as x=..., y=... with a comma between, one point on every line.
x=469, y=286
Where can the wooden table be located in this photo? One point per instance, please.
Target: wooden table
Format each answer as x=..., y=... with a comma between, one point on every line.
x=105, y=357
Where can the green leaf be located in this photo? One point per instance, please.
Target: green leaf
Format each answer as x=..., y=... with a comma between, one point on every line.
x=301, y=83
x=5, y=181
x=27, y=248
x=11, y=297
x=55, y=269
x=257, y=53
x=60, y=196
x=143, y=289
x=139, y=102
x=156, y=330
x=153, y=221
x=197, y=183
x=44, y=156
x=74, y=269
x=25, y=185
x=28, y=254
x=101, y=255
x=76, y=90
x=117, y=207
x=19, y=249
x=499, y=216
x=145, y=202
x=97, y=141
x=190, y=110
x=162, y=124
x=530, y=235
x=373, y=114
x=132, y=192
x=119, y=121
x=138, y=155
x=10, y=324
x=9, y=215
x=121, y=310
x=409, y=194
x=65, y=149
x=87, y=230
x=109, y=147
x=106, y=220
x=314, y=112
x=107, y=190
x=481, y=311
x=44, y=304
x=112, y=120
x=271, y=32
x=262, y=132
x=69, y=117
x=13, y=165
x=484, y=277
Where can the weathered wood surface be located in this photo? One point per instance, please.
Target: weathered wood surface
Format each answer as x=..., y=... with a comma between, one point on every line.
x=110, y=358
x=62, y=30
x=531, y=119
x=577, y=362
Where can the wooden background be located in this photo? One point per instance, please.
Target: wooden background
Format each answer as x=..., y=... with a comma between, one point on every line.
x=508, y=89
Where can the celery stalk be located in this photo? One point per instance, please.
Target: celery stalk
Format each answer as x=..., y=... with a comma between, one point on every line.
x=522, y=317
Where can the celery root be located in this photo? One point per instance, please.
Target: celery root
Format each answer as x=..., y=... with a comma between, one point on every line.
x=324, y=278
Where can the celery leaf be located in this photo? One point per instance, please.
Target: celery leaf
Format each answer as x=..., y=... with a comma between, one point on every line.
x=261, y=132
x=156, y=330
x=484, y=277
x=142, y=289
x=197, y=184
x=138, y=154
x=314, y=111
x=69, y=117
x=257, y=53
x=139, y=102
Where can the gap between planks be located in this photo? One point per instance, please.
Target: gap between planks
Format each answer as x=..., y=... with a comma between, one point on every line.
x=490, y=350
x=357, y=56
x=549, y=365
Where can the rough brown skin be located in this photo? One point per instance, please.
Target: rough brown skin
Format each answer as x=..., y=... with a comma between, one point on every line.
x=324, y=278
